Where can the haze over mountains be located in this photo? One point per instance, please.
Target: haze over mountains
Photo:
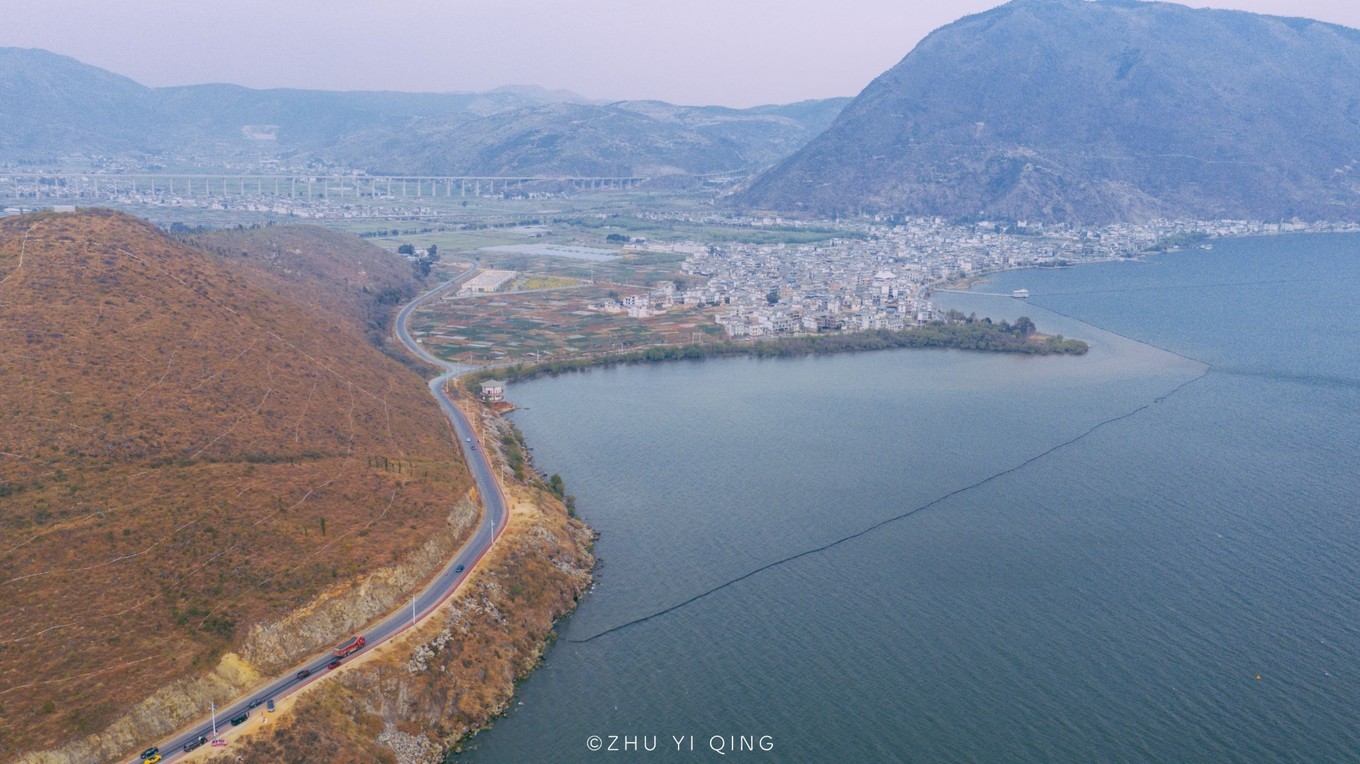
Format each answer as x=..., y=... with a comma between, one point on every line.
x=624, y=139
x=1083, y=111
x=52, y=105
x=1093, y=112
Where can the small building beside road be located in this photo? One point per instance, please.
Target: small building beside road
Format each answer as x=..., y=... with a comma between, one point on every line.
x=486, y=281
x=493, y=391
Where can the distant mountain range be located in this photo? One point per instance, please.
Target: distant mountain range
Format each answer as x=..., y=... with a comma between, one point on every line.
x=1112, y=110
x=52, y=105
x=623, y=139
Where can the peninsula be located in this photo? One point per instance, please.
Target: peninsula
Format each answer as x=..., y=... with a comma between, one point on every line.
x=959, y=333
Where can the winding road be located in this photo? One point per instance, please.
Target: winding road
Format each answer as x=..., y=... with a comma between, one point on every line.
x=489, y=528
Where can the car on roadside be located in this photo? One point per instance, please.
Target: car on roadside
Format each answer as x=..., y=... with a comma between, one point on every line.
x=269, y=705
x=240, y=718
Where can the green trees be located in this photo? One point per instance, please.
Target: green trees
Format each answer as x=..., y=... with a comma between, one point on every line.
x=426, y=260
x=961, y=335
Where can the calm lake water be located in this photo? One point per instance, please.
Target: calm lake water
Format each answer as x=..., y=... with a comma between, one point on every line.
x=1093, y=559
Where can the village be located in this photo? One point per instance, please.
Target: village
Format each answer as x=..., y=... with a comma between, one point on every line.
x=640, y=274
x=880, y=275
x=542, y=302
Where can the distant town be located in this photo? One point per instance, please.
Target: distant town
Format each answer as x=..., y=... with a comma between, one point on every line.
x=881, y=275
x=708, y=271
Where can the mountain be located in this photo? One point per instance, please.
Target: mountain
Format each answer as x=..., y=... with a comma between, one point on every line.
x=627, y=138
x=53, y=105
x=1096, y=111
x=312, y=120
x=196, y=446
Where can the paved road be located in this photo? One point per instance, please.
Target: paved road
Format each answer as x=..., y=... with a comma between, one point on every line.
x=490, y=527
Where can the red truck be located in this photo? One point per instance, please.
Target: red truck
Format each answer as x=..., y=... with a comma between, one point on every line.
x=353, y=645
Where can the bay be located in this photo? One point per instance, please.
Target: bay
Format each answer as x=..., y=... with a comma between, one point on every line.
x=947, y=556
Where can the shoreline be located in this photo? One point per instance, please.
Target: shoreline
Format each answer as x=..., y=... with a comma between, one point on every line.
x=967, y=334
x=459, y=668
x=467, y=384
x=1113, y=441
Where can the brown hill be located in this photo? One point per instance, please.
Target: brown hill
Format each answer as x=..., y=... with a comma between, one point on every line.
x=184, y=454
x=326, y=271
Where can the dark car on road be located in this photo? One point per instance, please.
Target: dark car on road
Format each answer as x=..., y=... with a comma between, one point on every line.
x=256, y=703
x=148, y=753
x=458, y=569
x=303, y=674
x=196, y=742
x=237, y=721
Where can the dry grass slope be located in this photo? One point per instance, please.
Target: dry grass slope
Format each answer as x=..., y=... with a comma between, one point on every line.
x=184, y=453
x=455, y=674
x=326, y=271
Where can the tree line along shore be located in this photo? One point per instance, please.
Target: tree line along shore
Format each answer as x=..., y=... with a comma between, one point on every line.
x=957, y=331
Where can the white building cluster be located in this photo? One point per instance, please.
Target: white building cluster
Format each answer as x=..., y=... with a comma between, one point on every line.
x=879, y=276
x=657, y=299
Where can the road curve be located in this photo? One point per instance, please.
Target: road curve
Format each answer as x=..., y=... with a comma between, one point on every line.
x=489, y=528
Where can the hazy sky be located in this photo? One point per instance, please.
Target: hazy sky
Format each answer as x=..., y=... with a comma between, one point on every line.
x=733, y=52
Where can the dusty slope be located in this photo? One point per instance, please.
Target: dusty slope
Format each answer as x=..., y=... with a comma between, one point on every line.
x=339, y=277
x=184, y=454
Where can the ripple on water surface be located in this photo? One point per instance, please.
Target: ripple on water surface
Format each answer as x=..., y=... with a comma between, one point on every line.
x=1113, y=599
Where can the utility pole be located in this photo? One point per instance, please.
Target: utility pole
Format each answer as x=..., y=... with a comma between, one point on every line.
x=413, y=609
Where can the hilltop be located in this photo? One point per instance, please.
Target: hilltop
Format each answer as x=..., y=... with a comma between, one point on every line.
x=191, y=453
x=1093, y=112
x=49, y=103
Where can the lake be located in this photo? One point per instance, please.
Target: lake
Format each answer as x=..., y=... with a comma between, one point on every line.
x=1147, y=553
